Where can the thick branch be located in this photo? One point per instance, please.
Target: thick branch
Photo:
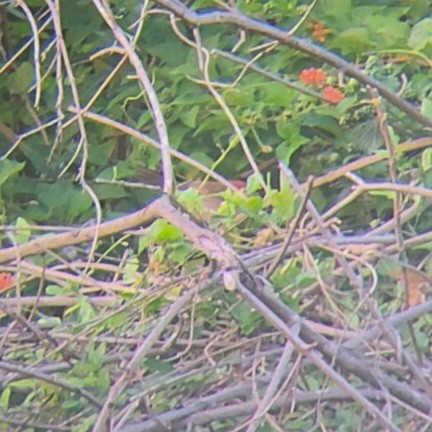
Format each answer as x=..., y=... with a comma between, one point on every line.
x=212, y=244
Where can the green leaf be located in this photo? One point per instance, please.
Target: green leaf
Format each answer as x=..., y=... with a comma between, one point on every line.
x=82, y=21
x=239, y=97
x=21, y=79
x=340, y=10
x=426, y=107
x=158, y=365
x=421, y=34
x=247, y=318
x=47, y=322
x=216, y=122
x=283, y=204
x=9, y=169
x=163, y=231
x=110, y=191
x=390, y=195
x=293, y=140
x=426, y=164
x=143, y=243
x=179, y=253
x=5, y=397
x=277, y=94
x=23, y=232
x=55, y=290
x=63, y=199
x=353, y=40
x=189, y=116
x=388, y=31
x=253, y=204
x=130, y=269
x=86, y=424
x=254, y=182
x=317, y=118
x=287, y=129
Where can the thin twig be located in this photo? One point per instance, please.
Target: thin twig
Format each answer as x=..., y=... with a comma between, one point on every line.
x=142, y=350
x=358, y=164
x=30, y=373
x=291, y=231
x=105, y=12
x=278, y=376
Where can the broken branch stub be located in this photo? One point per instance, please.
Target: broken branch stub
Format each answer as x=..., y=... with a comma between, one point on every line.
x=210, y=243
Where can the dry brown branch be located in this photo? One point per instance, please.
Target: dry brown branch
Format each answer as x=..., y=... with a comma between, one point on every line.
x=144, y=138
x=281, y=317
x=201, y=411
x=264, y=300
x=326, y=233
x=139, y=355
x=274, y=388
x=28, y=372
x=106, y=13
x=417, y=144
x=78, y=236
x=55, y=301
x=363, y=187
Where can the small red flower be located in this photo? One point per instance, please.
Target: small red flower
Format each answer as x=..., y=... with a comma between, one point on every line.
x=6, y=281
x=319, y=31
x=332, y=94
x=313, y=76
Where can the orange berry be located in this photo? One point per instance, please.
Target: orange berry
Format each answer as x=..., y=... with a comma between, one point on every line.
x=332, y=94
x=319, y=31
x=313, y=76
x=6, y=281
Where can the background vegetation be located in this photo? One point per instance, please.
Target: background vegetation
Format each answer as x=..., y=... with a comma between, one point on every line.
x=302, y=304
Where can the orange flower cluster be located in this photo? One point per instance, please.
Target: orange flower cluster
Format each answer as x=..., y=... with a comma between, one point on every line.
x=313, y=76
x=332, y=94
x=319, y=31
x=317, y=77
x=6, y=281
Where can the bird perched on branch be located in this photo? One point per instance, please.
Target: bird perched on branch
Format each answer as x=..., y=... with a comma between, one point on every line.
x=210, y=190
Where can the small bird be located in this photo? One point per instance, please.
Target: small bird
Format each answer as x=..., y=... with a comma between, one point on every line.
x=209, y=190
